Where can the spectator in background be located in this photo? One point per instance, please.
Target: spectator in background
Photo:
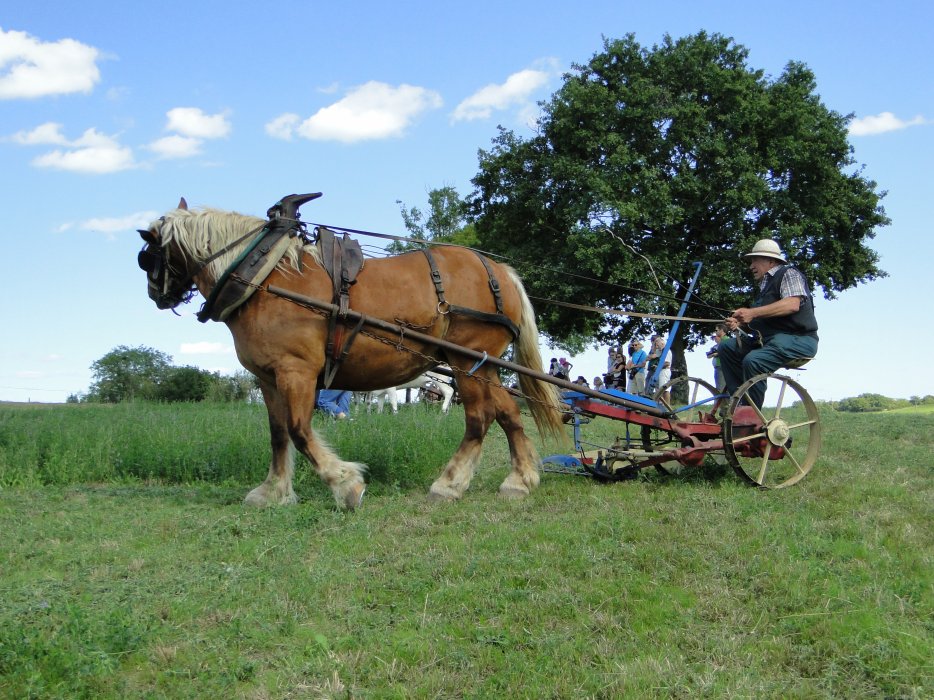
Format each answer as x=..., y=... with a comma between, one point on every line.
x=564, y=369
x=656, y=348
x=597, y=383
x=719, y=333
x=582, y=381
x=616, y=379
x=636, y=368
x=334, y=402
x=553, y=367
x=664, y=376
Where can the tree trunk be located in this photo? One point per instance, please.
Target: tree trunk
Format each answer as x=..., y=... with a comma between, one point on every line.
x=679, y=365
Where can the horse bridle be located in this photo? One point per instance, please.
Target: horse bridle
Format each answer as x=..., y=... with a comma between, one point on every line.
x=154, y=261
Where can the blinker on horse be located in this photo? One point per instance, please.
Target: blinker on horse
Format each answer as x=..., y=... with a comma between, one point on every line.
x=454, y=297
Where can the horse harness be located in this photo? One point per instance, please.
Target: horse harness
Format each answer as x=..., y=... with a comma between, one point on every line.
x=444, y=307
x=343, y=260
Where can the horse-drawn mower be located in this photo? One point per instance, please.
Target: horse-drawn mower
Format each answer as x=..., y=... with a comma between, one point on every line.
x=771, y=447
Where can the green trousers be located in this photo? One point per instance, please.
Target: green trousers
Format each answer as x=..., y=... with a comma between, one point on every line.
x=742, y=361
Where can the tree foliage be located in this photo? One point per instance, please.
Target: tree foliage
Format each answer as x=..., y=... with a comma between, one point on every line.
x=142, y=373
x=646, y=160
x=445, y=221
x=869, y=403
x=125, y=374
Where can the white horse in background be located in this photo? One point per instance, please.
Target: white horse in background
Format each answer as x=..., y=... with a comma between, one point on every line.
x=436, y=382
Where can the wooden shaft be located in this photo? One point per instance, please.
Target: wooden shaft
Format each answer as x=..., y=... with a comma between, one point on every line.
x=460, y=349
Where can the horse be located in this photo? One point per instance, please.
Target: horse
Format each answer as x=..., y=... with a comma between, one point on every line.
x=284, y=343
x=420, y=382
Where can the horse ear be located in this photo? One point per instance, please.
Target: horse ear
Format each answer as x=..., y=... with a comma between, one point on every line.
x=182, y=204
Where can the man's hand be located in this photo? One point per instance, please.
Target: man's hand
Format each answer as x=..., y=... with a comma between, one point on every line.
x=743, y=315
x=782, y=307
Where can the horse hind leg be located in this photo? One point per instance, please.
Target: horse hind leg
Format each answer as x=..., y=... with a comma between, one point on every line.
x=524, y=476
x=459, y=471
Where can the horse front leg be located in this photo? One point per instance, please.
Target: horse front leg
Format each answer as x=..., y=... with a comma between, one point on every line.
x=277, y=488
x=345, y=479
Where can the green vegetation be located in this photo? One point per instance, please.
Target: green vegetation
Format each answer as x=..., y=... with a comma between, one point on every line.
x=865, y=403
x=129, y=568
x=141, y=373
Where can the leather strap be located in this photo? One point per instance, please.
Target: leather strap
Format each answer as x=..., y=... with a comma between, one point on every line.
x=435, y=278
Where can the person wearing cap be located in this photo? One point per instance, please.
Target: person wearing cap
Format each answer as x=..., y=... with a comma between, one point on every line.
x=636, y=367
x=781, y=323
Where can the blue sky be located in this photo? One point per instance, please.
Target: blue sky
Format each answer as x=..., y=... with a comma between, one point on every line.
x=112, y=111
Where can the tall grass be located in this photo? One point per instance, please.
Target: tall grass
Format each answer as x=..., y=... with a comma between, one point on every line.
x=203, y=442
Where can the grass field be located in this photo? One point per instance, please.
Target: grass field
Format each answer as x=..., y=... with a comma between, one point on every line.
x=129, y=568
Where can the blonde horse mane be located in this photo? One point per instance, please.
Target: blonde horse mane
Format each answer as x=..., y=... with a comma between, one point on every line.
x=200, y=233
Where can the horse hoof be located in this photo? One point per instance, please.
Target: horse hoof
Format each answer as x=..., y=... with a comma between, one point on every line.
x=256, y=498
x=513, y=492
x=442, y=494
x=259, y=498
x=354, y=497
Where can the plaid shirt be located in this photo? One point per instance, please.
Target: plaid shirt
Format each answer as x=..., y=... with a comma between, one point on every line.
x=793, y=284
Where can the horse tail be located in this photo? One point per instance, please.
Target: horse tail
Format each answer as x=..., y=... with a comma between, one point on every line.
x=543, y=397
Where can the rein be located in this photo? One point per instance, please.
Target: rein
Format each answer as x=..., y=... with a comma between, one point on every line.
x=620, y=312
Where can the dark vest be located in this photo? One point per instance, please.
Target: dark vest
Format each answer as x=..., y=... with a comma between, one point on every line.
x=802, y=322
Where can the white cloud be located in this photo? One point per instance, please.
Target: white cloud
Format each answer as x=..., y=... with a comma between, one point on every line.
x=44, y=134
x=193, y=122
x=205, y=348
x=881, y=123
x=516, y=91
x=111, y=225
x=371, y=111
x=130, y=222
x=192, y=128
x=93, y=152
x=30, y=68
x=176, y=146
x=283, y=126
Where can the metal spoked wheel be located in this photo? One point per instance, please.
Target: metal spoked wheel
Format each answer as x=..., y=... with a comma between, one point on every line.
x=775, y=446
x=687, y=398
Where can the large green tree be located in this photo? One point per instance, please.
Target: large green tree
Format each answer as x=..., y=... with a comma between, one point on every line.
x=646, y=160
x=126, y=373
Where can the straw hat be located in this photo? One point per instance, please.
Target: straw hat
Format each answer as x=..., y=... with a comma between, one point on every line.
x=766, y=248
